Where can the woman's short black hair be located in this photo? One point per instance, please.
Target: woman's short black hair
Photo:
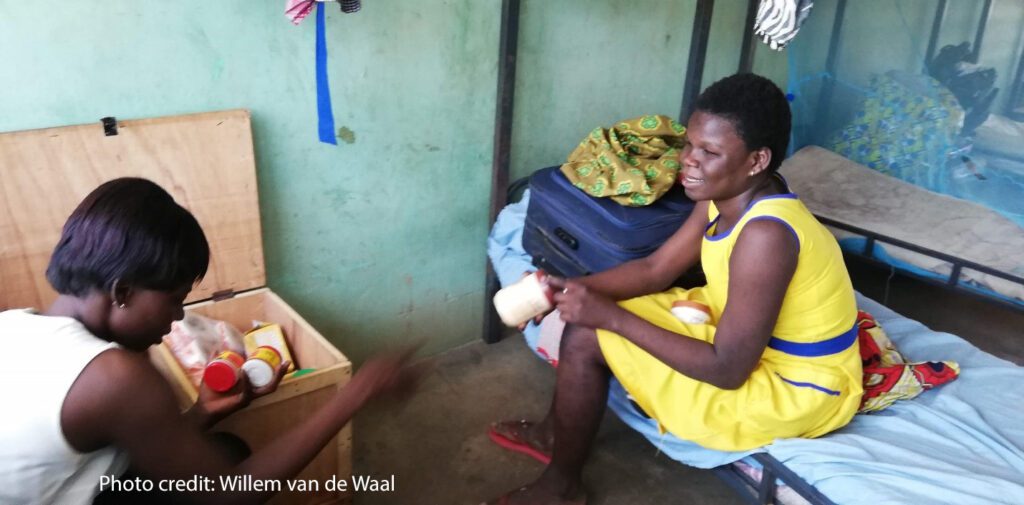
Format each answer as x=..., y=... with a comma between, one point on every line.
x=757, y=108
x=129, y=230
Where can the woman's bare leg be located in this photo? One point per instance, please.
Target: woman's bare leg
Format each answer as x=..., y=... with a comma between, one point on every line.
x=581, y=393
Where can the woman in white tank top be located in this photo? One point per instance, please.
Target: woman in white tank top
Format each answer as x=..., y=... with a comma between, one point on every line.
x=91, y=400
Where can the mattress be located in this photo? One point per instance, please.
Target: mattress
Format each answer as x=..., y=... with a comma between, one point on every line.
x=836, y=188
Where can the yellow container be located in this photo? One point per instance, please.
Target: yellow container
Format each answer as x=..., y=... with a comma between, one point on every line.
x=269, y=335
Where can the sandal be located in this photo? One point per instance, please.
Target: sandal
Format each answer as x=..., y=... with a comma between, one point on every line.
x=517, y=445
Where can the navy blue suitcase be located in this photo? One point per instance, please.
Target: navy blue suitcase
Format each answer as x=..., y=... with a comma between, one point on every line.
x=571, y=233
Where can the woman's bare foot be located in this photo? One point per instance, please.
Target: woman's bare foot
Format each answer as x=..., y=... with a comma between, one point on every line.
x=532, y=439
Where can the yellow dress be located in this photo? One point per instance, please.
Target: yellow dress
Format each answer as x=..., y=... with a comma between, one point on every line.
x=808, y=381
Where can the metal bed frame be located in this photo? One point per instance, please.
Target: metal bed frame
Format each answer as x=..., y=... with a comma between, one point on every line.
x=952, y=281
x=762, y=492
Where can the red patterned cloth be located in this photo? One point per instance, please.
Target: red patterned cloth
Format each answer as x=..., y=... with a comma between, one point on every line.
x=887, y=374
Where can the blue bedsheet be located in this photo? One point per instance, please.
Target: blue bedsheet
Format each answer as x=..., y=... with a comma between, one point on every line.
x=961, y=443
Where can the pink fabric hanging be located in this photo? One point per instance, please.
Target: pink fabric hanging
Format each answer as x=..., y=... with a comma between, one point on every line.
x=297, y=10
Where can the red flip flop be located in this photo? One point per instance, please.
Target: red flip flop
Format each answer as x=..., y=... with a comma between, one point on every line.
x=517, y=445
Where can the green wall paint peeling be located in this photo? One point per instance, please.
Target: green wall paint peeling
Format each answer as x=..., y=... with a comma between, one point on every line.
x=346, y=135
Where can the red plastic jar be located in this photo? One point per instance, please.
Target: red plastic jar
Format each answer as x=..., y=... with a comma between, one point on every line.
x=223, y=372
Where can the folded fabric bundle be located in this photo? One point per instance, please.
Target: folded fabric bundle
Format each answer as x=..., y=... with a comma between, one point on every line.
x=887, y=374
x=633, y=162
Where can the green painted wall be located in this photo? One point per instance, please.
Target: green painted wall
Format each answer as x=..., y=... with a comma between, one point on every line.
x=583, y=64
x=726, y=43
x=382, y=237
x=372, y=241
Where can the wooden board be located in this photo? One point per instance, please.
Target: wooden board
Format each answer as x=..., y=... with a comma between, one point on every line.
x=204, y=160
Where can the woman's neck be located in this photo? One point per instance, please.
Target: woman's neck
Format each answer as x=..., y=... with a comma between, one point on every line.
x=91, y=310
x=732, y=209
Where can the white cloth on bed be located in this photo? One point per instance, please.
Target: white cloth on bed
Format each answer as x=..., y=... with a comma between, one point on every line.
x=505, y=242
x=509, y=259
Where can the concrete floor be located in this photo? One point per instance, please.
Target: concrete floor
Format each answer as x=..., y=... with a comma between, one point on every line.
x=436, y=446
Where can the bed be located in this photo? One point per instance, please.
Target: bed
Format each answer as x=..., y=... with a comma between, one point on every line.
x=961, y=443
x=935, y=237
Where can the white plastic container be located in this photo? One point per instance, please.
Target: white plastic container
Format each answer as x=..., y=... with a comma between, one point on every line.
x=691, y=312
x=261, y=365
x=529, y=297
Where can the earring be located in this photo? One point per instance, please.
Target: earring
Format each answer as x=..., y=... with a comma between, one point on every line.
x=119, y=305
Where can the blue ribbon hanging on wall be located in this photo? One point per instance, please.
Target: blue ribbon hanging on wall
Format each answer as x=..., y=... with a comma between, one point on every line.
x=325, y=116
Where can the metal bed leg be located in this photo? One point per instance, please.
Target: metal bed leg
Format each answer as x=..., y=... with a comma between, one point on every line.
x=698, y=51
x=766, y=488
x=749, y=42
x=509, y=40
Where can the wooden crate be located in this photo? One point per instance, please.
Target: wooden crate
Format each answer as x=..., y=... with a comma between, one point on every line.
x=206, y=162
x=268, y=416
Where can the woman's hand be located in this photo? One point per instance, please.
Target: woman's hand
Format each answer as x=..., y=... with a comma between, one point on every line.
x=212, y=406
x=386, y=373
x=578, y=304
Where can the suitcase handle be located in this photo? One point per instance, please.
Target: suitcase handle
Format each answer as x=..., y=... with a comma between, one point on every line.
x=567, y=237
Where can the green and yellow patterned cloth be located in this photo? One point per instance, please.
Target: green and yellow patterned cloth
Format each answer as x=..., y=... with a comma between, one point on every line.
x=633, y=163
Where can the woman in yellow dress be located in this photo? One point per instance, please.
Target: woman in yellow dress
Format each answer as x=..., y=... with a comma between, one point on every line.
x=778, y=357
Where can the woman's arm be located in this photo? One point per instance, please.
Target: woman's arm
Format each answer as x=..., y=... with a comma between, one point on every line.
x=656, y=272
x=121, y=400
x=760, y=269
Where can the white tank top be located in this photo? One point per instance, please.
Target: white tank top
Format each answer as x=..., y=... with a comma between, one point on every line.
x=43, y=357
